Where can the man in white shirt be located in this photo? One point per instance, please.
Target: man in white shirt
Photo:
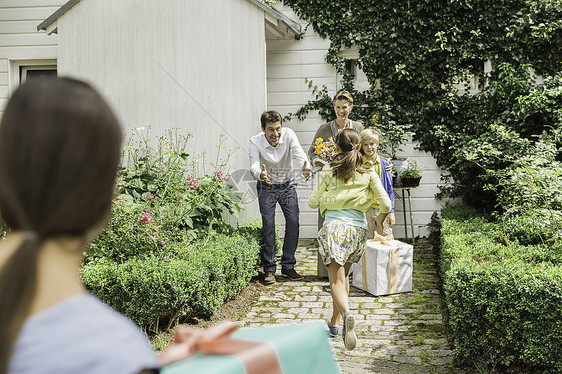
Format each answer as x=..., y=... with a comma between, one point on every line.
x=271, y=154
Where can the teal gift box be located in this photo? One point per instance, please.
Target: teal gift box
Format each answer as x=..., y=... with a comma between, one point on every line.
x=301, y=348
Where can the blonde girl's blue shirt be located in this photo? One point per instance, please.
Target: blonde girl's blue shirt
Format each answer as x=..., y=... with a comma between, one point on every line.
x=358, y=193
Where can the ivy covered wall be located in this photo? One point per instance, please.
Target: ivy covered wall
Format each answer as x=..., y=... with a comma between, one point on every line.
x=416, y=54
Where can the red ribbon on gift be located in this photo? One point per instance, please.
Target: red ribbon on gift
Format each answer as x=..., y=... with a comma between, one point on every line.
x=257, y=357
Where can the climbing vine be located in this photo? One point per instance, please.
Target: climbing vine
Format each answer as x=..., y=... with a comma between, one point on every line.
x=416, y=54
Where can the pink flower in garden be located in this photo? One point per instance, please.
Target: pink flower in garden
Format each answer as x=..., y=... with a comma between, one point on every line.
x=121, y=201
x=146, y=218
x=221, y=176
x=150, y=197
x=192, y=184
x=161, y=241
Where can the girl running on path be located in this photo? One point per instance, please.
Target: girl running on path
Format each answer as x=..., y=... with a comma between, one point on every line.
x=344, y=193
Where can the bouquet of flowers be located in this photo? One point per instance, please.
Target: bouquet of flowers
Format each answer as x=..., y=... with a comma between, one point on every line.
x=325, y=151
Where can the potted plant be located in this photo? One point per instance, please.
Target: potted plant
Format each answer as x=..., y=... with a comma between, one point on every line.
x=410, y=176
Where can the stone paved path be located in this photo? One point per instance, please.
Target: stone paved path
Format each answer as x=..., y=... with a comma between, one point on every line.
x=402, y=333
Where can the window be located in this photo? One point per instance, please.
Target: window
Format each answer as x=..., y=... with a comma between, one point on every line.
x=21, y=70
x=360, y=80
x=39, y=71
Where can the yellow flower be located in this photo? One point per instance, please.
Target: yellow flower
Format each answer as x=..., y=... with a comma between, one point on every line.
x=319, y=140
x=321, y=148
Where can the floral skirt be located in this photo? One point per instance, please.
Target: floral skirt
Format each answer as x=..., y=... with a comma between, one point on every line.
x=341, y=242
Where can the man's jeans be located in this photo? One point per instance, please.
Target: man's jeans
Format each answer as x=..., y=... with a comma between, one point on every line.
x=286, y=195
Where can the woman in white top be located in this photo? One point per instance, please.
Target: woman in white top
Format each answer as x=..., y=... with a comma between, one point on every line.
x=59, y=152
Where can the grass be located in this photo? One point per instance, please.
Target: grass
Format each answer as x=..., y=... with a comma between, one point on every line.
x=419, y=339
x=436, y=345
x=424, y=356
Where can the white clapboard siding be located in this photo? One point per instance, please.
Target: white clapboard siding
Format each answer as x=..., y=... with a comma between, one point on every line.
x=289, y=63
x=20, y=43
x=194, y=65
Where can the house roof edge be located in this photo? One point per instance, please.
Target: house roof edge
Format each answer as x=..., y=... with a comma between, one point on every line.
x=59, y=12
x=294, y=26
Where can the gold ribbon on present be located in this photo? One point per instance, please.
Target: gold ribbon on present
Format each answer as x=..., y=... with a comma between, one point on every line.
x=383, y=239
x=257, y=357
x=378, y=238
x=393, y=265
x=364, y=272
x=392, y=269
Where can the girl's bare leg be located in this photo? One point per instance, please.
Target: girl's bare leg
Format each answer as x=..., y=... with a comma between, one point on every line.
x=338, y=276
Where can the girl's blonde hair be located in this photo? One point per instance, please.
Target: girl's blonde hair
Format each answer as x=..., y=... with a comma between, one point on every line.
x=349, y=158
x=368, y=135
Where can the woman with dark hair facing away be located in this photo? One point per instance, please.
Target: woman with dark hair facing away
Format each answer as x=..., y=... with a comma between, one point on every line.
x=59, y=152
x=345, y=191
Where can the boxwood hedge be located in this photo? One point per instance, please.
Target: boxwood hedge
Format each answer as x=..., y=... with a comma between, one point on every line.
x=504, y=299
x=157, y=291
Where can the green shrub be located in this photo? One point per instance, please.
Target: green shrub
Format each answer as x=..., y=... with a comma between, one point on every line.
x=148, y=290
x=506, y=314
x=503, y=298
x=530, y=197
x=540, y=226
x=152, y=289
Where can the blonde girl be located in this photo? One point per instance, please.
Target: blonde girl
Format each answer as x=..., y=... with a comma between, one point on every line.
x=371, y=160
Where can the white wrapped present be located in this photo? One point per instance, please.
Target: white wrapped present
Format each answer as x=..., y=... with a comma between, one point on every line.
x=385, y=267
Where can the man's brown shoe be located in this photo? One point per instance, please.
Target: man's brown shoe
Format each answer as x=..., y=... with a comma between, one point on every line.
x=269, y=278
x=291, y=274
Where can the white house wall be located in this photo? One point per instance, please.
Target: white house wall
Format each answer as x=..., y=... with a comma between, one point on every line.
x=194, y=65
x=20, y=41
x=289, y=63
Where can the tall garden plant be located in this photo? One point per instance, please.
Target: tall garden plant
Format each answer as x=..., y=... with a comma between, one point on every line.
x=162, y=203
